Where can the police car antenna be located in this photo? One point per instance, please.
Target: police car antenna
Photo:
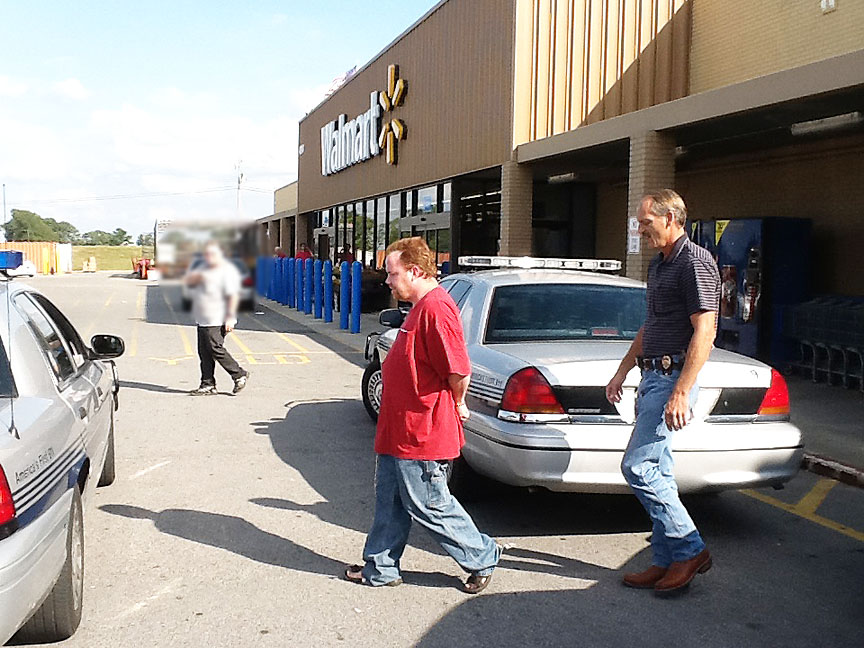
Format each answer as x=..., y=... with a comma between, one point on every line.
x=12, y=429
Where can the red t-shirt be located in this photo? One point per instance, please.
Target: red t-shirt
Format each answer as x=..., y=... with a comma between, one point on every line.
x=418, y=418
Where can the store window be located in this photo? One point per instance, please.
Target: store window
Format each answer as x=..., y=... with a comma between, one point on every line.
x=380, y=232
x=369, y=233
x=395, y=213
x=446, y=190
x=427, y=200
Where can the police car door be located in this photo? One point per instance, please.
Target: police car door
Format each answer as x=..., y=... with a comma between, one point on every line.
x=98, y=374
x=74, y=390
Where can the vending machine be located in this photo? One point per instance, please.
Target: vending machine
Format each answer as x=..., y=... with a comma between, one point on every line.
x=764, y=270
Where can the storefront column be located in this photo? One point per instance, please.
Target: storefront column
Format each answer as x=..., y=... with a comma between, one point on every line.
x=517, y=189
x=285, y=236
x=301, y=231
x=264, y=247
x=652, y=166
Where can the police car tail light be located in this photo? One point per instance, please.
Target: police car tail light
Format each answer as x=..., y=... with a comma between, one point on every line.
x=7, y=506
x=528, y=394
x=775, y=403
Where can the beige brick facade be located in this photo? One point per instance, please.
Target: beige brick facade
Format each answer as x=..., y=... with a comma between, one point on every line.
x=517, y=195
x=652, y=166
x=736, y=40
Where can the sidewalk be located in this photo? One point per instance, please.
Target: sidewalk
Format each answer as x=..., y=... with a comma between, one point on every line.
x=831, y=418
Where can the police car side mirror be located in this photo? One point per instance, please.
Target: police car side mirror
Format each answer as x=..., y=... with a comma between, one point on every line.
x=391, y=318
x=107, y=346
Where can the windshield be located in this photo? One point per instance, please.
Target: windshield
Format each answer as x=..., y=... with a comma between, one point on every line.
x=540, y=312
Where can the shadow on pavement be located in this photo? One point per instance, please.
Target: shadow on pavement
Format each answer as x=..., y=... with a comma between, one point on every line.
x=130, y=384
x=232, y=533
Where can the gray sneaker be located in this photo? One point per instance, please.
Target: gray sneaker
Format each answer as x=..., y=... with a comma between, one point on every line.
x=240, y=383
x=204, y=390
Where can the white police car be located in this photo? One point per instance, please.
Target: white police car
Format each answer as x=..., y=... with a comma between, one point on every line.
x=57, y=403
x=544, y=338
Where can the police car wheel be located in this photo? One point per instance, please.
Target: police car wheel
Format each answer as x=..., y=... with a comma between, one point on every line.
x=462, y=481
x=371, y=387
x=60, y=614
x=186, y=304
x=109, y=473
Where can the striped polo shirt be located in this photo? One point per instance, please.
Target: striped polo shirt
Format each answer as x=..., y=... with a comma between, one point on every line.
x=685, y=283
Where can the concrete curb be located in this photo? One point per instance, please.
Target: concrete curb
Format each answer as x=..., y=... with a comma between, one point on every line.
x=833, y=469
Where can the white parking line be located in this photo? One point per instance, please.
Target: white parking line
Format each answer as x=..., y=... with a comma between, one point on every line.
x=143, y=472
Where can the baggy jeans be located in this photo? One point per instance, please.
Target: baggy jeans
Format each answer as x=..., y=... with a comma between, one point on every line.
x=210, y=351
x=407, y=490
x=647, y=468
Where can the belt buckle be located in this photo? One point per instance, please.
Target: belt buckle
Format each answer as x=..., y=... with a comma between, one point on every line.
x=666, y=363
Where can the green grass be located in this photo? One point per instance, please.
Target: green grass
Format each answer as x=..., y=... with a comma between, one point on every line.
x=108, y=257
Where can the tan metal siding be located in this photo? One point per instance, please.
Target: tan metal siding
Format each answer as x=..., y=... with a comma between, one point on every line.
x=458, y=64
x=591, y=60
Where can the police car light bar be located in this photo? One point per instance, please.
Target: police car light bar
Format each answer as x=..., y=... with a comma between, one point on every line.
x=601, y=265
x=11, y=259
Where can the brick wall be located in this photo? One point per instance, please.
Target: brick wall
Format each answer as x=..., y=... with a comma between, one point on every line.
x=517, y=195
x=736, y=40
x=652, y=166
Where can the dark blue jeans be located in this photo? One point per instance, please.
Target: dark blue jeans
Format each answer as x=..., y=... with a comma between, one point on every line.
x=406, y=491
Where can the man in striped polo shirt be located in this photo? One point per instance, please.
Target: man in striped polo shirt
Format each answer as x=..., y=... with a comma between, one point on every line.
x=670, y=349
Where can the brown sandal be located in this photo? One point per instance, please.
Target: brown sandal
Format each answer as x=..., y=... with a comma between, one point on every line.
x=354, y=574
x=476, y=583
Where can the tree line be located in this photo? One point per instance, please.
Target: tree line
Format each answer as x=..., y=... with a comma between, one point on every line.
x=28, y=226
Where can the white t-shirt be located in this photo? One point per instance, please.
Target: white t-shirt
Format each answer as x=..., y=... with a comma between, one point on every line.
x=210, y=296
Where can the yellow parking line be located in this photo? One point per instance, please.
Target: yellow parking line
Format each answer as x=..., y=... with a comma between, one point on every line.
x=108, y=301
x=807, y=505
x=187, y=345
x=285, y=337
x=250, y=354
x=133, y=339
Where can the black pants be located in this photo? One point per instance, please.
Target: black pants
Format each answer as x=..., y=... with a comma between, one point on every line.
x=211, y=351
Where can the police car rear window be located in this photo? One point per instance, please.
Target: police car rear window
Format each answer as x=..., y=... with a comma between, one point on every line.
x=545, y=312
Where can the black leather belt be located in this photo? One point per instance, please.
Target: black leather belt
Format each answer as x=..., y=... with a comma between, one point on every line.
x=664, y=364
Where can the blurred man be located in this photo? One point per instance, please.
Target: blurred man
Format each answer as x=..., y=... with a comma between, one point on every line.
x=425, y=378
x=670, y=349
x=215, y=294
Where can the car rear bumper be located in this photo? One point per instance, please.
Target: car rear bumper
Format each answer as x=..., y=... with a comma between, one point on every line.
x=30, y=561
x=587, y=458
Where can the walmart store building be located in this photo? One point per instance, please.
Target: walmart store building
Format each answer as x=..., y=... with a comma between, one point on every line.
x=533, y=127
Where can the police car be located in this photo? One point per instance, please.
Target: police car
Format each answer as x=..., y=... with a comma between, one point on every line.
x=545, y=336
x=57, y=403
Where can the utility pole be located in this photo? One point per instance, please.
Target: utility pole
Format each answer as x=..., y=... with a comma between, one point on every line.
x=239, y=182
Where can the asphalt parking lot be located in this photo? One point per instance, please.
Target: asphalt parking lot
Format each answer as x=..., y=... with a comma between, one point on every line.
x=232, y=517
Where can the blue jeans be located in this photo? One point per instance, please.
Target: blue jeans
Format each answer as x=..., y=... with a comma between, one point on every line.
x=647, y=468
x=407, y=490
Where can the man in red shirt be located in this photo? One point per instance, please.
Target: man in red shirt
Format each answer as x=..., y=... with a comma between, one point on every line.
x=425, y=376
x=303, y=252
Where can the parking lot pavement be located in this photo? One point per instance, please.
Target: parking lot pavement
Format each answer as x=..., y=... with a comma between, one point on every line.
x=232, y=518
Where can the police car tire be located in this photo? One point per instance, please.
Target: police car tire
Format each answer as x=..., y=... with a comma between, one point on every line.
x=60, y=614
x=186, y=304
x=369, y=378
x=109, y=473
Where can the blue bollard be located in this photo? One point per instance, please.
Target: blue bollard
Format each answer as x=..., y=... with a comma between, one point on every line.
x=328, y=291
x=319, y=288
x=290, y=281
x=344, y=294
x=298, y=283
x=280, y=281
x=308, y=288
x=271, y=293
x=286, y=285
x=356, y=283
x=258, y=275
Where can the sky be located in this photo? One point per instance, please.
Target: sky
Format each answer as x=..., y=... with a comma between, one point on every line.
x=119, y=113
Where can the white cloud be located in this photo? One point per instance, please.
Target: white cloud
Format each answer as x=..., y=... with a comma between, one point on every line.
x=10, y=87
x=71, y=89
